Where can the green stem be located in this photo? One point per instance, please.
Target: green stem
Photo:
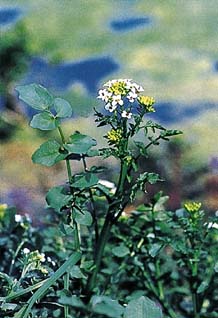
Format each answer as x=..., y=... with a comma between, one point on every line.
x=15, y=256
x=103, y=238
x=66, y=286
x=22, y=292
x=25, y=311
x=195, y=305
x=67, y=160
x=160, y=287
x=116, y=205
x=76, y=232
x=95, y=222
x=159, y=282
x=194, y=278
x=77, y=236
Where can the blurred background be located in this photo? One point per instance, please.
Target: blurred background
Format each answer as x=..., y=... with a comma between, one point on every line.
x=72, y=47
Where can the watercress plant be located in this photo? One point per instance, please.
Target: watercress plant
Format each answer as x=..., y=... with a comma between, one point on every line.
x=88, y=210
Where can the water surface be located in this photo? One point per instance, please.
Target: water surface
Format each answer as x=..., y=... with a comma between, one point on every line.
x=60, y=77
x=9, y=15
x=127, y=24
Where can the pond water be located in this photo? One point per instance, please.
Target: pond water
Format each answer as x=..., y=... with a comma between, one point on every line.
x=9, y=15
x=215, y=66
x=61, y=76
x=174, y=112
x=127, y=24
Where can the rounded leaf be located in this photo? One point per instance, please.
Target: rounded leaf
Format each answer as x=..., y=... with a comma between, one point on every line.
x=48, y=153
x=35, y=96
x=44, y=121
x=83, y=218
x=80, y=144
x=63, y=108
x=142, y=307
x=120, y=251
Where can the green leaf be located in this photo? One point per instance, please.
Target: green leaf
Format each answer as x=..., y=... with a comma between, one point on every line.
x=66, y=229
x=35, y=96
x=76, y=272
x=216, y=267
x=106, y=306
x=171, y=132
x=80, y=144
x=161, y=200
x=203, y=286
x=153, y=178
x=8, y=306
x=7, y=278
x=63, y=108
x=155, y=249
x=84, y=180
x=57, y=198
x=21, y=312
x=44, y=121
x=142, y=307
x=48, y=153
x=83, y=218
x=73, y=300
x=120, y=251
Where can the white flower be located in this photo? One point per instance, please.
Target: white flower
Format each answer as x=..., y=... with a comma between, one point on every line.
x=106, y=183
x=110, y=83
x=42, y=257
x=138, y=88
x=132, y=96
x=116, y=99
x=26, y=251
x=151, y=235
x=51, y=261
x=18, y=218
x=126, y=114
x=213, y=225
x=109, y=185
x=104, y=95
x=110, y=107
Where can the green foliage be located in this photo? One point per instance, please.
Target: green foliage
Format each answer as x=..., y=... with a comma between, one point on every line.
x=80, y=144
x=91, y=259
x=84, y=180
x=48, y=153
x=63, y=108
x=106, y=306
x=35, y=96
x=44, y=121
x=142, y=308
x=120, y=250
x=58, y=197
x=82, y=217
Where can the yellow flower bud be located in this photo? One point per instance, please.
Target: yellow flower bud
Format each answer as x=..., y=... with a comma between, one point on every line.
x=114, y=136
x=147, y=102
x=192, y=207
x=118, y=88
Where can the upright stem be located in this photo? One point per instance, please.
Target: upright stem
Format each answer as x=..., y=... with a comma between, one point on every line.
x=104, y=235
x=103, y=238
x=110, y=218
x=195, y=305
x=66, y=286
x=76, y=232
x=92, y=205
x=69, y=173
x=15, y=255
x=195, y=297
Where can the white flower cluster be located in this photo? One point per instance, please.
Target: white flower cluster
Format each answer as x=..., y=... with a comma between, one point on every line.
x=116, y=91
